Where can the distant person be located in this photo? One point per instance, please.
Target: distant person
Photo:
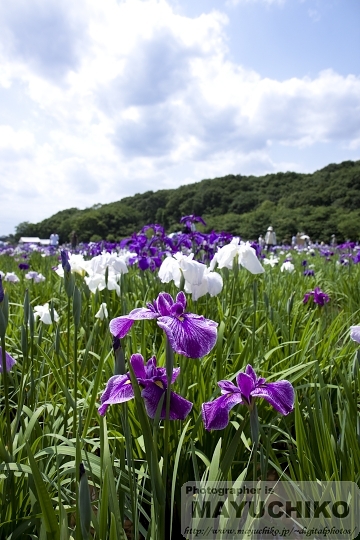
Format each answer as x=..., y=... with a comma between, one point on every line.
x=304, y=238
x=270, y=238
x=299, y=240
x=54, y=239
x=73, y=239
x=261, y=241
x=293, y=240
x=333, y=240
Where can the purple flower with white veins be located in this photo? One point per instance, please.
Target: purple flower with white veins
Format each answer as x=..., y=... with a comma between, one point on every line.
x=188, y=334
x=153, y=383
x=279, y=394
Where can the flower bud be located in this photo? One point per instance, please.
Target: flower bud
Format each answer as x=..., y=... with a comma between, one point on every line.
x=65, y=261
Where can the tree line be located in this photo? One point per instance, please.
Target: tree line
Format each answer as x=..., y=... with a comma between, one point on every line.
x=320, y=204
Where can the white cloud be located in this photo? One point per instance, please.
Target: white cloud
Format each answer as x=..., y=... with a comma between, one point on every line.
x=144, y=98
x=46, y=35
x=16, y=141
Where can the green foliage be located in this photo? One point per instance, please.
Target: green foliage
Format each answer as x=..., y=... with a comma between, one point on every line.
x=349, y=226
x=50, y=424
x=25, y=229
x=320, y=204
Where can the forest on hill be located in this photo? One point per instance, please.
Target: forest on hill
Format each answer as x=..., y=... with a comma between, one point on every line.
x=320, y=204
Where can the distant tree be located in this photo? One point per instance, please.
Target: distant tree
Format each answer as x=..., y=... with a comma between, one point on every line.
x=96, y=238
x=349, y=225
x=26, y=229
x=320, y=204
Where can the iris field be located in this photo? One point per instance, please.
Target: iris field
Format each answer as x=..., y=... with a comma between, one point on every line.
x=68, y=470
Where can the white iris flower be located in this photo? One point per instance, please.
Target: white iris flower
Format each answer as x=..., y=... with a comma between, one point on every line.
x=246, y=257
x=43, y=312
x=199, y=279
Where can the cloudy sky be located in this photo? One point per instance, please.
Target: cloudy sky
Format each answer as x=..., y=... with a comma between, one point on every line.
x=101, y=100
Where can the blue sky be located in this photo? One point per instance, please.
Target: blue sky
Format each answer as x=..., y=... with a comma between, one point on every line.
x=99, y=101
x=289, y=38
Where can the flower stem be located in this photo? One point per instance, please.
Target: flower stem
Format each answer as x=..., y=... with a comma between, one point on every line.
x=254, y=425
x=169, y=371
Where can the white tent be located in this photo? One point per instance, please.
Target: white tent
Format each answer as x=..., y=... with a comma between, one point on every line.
x=29, y=240
x=34, y=240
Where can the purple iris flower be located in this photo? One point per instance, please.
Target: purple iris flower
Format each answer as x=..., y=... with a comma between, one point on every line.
x=356, y=258
x=326, y=253
x=309, y=273
x=188, y=334
x=258, y=249
x=320, y=297
x=9, y=361
x=304, y=263
x=153, y=382
x=158, y=229
x=144, y=263
x=32, y=275
x=191, y=219
x=279, y=394
x=23, y=266
x=149, y=262
x=184, y=240
x=346, y=245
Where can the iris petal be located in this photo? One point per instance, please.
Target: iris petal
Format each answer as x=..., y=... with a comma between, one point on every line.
x=246, y=384
x=120, y=326
x=137, y=363
x=216, y=413
x=118, y=390
x=181, y=299
x=151, y=396
x=228, y=386
x=249, y=370
x=176, y=310
x=139, y=314
x=249, y=260
x=10, y=361
x=279, y=394
x=179, y=406
x=169, y=270
x=190, y=335
x=163, y=303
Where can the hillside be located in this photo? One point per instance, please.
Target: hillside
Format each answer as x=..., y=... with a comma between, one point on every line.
x=322, y=203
